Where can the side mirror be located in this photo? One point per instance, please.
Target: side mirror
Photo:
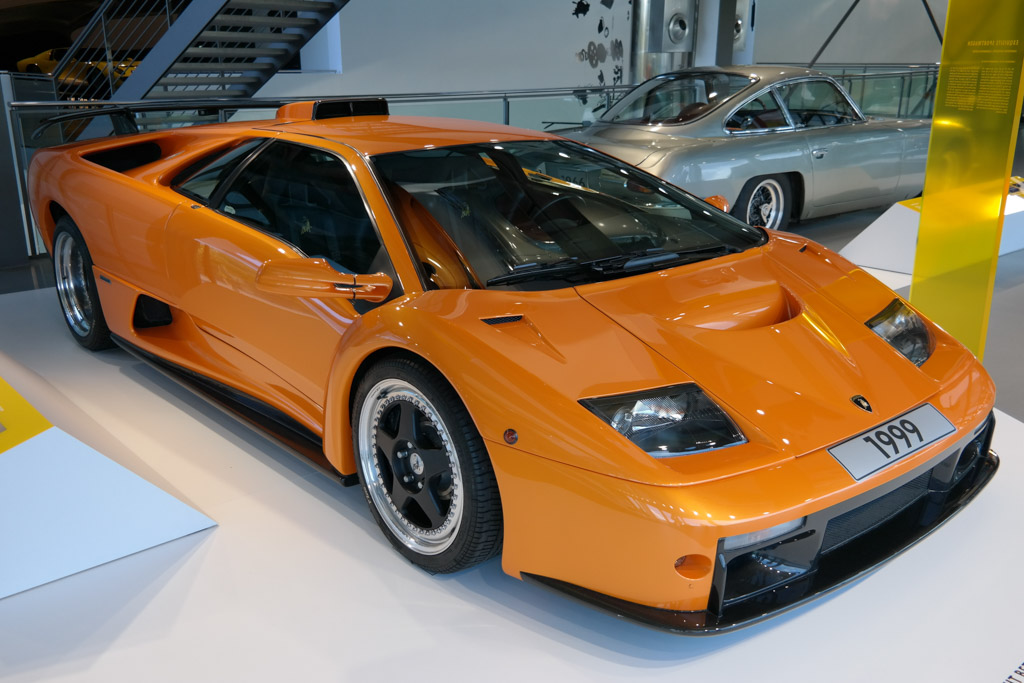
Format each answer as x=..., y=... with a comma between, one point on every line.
x=718, y=201
x=314, y=277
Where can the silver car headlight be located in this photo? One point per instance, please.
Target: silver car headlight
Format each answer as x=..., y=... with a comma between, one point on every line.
x=905, y=331
x=670, y=421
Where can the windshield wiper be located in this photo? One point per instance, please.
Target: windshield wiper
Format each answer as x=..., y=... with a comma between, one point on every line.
x=649, y=258
x=561, y=269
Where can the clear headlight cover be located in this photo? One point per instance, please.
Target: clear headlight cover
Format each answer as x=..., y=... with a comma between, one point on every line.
x=668, y=422
x=905, y=331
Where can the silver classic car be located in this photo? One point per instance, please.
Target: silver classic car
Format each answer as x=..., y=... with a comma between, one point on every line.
x=776, y=142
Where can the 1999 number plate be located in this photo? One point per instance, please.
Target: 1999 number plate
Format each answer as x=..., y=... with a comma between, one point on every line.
x=894, y=440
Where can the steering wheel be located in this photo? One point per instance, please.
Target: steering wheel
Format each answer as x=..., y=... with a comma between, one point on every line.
x=542, y=209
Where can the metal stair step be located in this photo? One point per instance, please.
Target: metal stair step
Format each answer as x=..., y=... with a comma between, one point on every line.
x=256, y=21
x=250, y=37
x=205, y=93
x=285, y=5
x=209, y=80
x=221, y=67
x=245, y=52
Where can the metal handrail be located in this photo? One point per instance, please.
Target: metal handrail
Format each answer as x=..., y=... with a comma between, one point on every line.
x=225, y=103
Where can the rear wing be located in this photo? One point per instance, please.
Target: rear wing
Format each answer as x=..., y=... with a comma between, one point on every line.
x=122, y=116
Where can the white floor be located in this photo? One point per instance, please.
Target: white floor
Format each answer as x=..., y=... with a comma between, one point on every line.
x=296, y=584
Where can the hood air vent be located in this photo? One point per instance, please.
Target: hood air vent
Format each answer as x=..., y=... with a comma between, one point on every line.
x=503, y=319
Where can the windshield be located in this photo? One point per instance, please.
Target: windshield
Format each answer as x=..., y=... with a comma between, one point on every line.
x=544, y=214
x=676, y=98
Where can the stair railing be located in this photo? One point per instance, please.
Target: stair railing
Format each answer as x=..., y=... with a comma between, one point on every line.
x=110, y=45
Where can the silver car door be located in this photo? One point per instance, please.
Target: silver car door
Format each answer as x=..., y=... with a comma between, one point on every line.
x=854, y=161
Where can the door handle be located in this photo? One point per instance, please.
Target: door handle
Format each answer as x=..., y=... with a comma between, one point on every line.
x=819, y=153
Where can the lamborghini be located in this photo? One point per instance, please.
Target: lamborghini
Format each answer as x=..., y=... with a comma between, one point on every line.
x=518, y=345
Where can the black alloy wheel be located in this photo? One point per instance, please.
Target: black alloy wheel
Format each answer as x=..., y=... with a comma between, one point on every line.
x=424, y=469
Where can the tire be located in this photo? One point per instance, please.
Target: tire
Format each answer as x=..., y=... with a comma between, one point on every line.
x=424, y=469
x=765, y=201
x=76, y=287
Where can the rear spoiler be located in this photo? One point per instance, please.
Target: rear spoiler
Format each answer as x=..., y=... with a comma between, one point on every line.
x=122, y=116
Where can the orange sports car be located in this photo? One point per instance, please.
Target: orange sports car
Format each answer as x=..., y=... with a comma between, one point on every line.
x=519, y=345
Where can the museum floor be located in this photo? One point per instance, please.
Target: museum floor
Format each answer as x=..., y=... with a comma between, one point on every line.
x=297, y=584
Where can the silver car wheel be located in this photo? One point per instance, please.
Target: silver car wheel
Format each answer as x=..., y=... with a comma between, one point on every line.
x=766, y=204
x=72, y=284
x=410, y=467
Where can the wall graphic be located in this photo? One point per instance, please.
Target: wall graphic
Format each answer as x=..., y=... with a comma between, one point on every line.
x=605, y=52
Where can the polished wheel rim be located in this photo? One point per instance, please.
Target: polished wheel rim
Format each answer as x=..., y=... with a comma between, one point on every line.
x=765, y=207
x=72, y=284
x=411, y=469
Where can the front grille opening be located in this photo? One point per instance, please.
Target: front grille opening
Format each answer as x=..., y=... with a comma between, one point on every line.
x=974, y=450
x=850, y=525
x=759, y=571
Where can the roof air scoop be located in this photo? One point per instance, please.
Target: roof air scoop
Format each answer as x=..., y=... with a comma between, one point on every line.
x=340, y=107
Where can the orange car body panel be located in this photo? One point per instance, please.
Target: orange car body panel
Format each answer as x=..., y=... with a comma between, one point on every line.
x=775, y=335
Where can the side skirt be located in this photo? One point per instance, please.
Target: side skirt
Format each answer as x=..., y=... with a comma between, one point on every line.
x=247, y=409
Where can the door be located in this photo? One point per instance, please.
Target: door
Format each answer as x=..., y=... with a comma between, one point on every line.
x=853, y=161
x=284, y=201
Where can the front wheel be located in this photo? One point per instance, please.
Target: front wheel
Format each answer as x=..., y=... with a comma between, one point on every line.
x=424, y=468
x=765, y=201
x=76, y=287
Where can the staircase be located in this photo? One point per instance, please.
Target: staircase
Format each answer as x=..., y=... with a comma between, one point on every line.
x=182, y=49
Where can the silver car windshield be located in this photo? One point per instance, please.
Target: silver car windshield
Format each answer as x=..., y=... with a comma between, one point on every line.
x=677, y=98
x=546, y=214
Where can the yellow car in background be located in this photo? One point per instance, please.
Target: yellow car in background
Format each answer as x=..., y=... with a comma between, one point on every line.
x=90, y=77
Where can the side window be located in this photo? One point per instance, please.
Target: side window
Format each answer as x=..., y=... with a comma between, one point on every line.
x=200, y=180
x=757, y=114
x=816, y=103
x=307, y=197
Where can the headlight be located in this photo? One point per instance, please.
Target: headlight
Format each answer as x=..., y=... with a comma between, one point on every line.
x=905, y=331
x=670, y=421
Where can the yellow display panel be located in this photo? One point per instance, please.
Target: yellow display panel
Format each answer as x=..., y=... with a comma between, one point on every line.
x=19, y=421
x=974, y=130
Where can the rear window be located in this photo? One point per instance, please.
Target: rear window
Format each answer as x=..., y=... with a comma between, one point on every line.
x=677, y=98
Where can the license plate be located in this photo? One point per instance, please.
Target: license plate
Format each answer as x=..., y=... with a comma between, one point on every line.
x=890, y=441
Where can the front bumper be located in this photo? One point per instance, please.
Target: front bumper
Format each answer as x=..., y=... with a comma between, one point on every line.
x=835, y=546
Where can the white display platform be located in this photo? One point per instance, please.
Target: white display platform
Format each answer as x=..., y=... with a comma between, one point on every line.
x=890, y=242
x=297, y=583
x=65, y=508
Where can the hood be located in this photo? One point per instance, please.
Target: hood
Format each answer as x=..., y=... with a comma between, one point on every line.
x=772, y=347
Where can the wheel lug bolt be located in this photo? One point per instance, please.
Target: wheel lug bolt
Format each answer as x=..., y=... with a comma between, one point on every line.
x=408, y=479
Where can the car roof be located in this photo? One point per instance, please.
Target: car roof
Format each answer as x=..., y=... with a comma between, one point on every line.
x=382, y=134
x=766, y=73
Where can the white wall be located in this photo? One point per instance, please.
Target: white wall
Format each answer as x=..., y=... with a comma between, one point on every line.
x=877, y=31
x=400, y=46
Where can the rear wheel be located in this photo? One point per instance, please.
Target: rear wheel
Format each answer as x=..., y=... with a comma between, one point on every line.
x=76, y=287
x=424, y=468
x=765, y=201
